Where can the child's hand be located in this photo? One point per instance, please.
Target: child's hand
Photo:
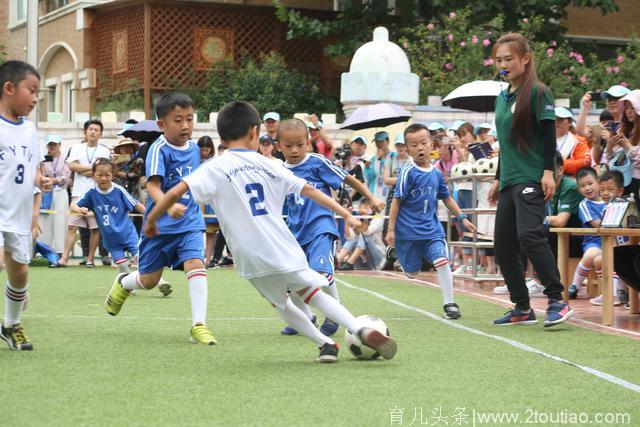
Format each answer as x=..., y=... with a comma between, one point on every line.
x=84, y=211
x=355, y=224
x=150, y=229
x=391, y=238
x=469, y=225
x=177, y=210
x=377, y=204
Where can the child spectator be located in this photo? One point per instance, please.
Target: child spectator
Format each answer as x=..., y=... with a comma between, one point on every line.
x=207, y=151
x=248, y=192
x=366, y=250
x=413, y=224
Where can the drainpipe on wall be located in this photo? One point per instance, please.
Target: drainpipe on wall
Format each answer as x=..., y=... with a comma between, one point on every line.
x=32, y=43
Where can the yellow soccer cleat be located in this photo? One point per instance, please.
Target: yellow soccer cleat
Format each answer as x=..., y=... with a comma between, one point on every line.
x=117, y=296
x=200, y=334
x=15, y=337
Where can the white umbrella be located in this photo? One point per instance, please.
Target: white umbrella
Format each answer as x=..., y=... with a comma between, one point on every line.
x=479, y=95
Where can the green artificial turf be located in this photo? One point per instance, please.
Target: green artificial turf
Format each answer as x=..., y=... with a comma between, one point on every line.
x=89, y=368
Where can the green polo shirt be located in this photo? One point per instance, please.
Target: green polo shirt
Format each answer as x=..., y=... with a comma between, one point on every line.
x=567, y=198
x=516, y=166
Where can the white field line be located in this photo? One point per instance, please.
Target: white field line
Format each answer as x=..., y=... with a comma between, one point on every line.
x=603, y=375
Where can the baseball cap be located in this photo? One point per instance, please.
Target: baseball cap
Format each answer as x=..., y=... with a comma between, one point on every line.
x=455, y=125
x=267, y=138
x=271, y=115
x=436, y=126
x=361, y=138
x=310, y=125
x=56, y=139
x=563, y=113
x=381, y=136
x=482, y=126
x=399, y=139
x=615, y=91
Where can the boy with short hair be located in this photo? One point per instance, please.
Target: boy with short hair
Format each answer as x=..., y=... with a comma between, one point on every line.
x=248, y=191
x=313, y=225
x=180, y=243
x=19, y=175
x=413, y=222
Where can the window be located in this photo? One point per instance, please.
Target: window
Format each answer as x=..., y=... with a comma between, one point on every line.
x=51, y=5
x=67, y=101
x=51, y=99
x=20, y=10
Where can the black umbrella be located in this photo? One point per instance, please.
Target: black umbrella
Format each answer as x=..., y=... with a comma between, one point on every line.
x=375, y=116
x=144, y=131
x=479, y=95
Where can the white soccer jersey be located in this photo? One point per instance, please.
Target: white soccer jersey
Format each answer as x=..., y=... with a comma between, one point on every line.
x=86, y=156
x=19, y=158
x=247, y=191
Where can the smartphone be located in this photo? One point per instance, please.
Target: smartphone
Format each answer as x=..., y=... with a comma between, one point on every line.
x=48, y=158
x=612, y=127
x=120, y=158
x=596, y=96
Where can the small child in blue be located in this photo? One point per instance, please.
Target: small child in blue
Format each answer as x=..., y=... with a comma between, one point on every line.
x=597, y=192
x=414, y=227
x=314, y=226
x=111, y=204
x=180, y=244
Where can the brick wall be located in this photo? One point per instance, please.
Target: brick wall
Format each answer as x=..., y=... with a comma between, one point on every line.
x=590, y=22
x=4, y=22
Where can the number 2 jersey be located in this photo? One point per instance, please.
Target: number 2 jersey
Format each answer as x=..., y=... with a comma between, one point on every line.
x=111, y=209
x=419, y=190
x=19, y=158
x=247, y=191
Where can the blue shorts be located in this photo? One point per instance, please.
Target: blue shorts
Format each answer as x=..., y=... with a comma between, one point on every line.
x=352, y=243
x=591, y=244
x=320, y=252
x=117, y=253
x=169, y=250
x=412, y=252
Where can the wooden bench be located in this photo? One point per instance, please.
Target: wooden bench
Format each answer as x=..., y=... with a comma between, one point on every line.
x=608, y=236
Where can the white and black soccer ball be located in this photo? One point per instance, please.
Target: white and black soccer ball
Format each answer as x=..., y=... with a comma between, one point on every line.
x=353, y=343
x=481, y=166
x=493, y=164
x=462, y=169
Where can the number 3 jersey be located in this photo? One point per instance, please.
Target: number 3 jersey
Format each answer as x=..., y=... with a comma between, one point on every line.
x=247, y=191
x=419, y=190
x=19, y=159
x=111, y=209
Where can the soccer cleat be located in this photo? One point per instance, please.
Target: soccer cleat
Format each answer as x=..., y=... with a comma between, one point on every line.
x=557, y=312
x=329, y=327
x=164, y=287
x=452, y=311
x=200, y=334
x=328, y=353
x=117, y=296
x=15, y=337
x=225, y=262
x=288, y=330
x=516, y=317
x=572, y=291
x=376, y=340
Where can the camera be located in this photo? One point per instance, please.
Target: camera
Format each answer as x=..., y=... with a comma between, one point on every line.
x=343, y=153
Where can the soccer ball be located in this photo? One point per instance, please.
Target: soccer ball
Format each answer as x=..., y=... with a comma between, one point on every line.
x=493, y=164
x=359, y=350
x=462, y=169
x=481, y=166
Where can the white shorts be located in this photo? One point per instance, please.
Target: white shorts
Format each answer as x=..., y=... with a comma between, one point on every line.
x=18, y=245
x=275, y=287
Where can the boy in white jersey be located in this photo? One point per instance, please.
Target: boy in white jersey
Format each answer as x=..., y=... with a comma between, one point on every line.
x=414, y=227
x=19, y=173
x=247, y=191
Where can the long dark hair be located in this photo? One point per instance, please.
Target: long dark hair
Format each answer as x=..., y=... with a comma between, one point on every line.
x=522, y=123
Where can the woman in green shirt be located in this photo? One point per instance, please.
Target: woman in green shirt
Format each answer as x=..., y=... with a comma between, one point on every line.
x=525, y=121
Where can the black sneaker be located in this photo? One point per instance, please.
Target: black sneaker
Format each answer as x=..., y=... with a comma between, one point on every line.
x=376, y=340
x=452, y=311
x=328, y=353
x=15, y=337
x=225, y=261
x=345, y=266
x=213, y=264
x=83, y=262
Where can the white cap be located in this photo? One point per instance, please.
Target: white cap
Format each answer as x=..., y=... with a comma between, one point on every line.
x=271, y=115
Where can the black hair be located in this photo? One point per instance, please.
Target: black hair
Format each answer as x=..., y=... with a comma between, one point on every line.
x=131, y=122
x=206, y=142
x=14, y=72
x=615, y=176
x=557, y=158
x=413, y=128
x=586, y=171
x=606, y=116
x=292, y=124
x=101, y=161
x=171, y=100
x=93, y=122
x=236, y=119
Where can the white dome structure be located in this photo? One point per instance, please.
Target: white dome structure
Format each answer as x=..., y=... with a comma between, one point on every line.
x=379, y=72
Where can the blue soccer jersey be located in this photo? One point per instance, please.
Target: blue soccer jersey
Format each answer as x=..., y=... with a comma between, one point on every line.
x=419, y=190
x=589, y=210
x=173, y=163
x=111, y=210
x=307, y=219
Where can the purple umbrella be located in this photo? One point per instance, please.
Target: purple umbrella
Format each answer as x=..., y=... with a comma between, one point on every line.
x=144, y=131
x=375, y=116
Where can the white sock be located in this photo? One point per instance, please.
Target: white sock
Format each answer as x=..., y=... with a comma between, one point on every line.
x=13, y=299
x=445, y=279
x=198, y=293
x=131, y=281
x=123, y=267
x=301, y=323
x=297, y=301
x=331, y=308
x=581, y=273
x=331, y=289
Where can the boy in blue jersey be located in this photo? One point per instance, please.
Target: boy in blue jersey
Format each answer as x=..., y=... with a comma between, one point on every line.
x=413, y=222
x=597, y=193
x=111, y=204
x=180, y=243
x=314, y=226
